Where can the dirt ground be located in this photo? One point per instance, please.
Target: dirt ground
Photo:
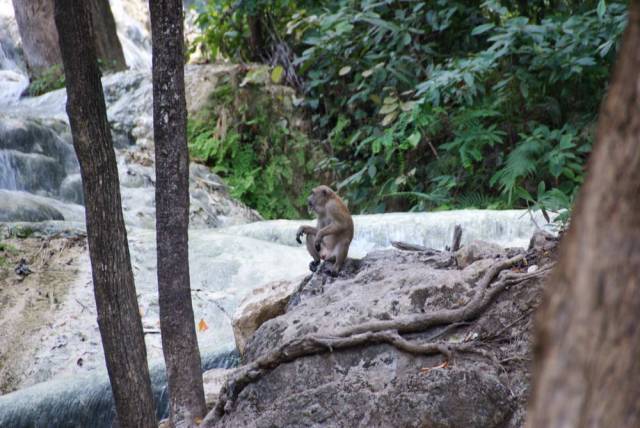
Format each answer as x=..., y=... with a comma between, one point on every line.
x=27, y=301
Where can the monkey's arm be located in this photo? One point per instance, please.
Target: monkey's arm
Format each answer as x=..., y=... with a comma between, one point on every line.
x=302, y=230
x=332, y=229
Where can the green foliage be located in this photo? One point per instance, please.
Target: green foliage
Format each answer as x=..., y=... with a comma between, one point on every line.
x=49, y=80
x=6, y=249
x=248, y=136
x=445, y=103
x=238, y=29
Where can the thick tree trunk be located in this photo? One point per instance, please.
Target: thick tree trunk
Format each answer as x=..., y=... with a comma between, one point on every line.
x=40, y=37
x=587, y=361
x=177, y=325
x=118, y=313
x=38, y=34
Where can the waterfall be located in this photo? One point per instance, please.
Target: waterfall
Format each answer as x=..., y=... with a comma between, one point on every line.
x=87, y=401
x=8, y=175
x=509, y=228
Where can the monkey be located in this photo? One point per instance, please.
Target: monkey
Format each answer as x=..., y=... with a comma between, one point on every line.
x=330, y=239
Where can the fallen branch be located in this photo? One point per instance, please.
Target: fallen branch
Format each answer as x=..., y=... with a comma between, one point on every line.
x=405, y=246
x=374, y=332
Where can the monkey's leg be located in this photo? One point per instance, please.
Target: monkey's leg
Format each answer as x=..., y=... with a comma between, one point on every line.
x=340, y=252
x=314, y=253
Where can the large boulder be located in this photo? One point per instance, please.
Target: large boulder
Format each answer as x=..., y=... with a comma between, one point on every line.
x=22, y=206
x=377, y=384
x=264, y=303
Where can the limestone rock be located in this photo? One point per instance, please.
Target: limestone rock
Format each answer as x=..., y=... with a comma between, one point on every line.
x=263, y=304
x=213, y=380
x=22, y=206
x=477, y=250
x=378, y=385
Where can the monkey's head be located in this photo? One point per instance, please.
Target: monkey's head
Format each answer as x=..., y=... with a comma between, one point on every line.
x=319, y=197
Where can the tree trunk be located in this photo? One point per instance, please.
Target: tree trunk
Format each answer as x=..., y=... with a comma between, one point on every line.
x=179, y=342
x=38, y=34
x=256, y=39
x=587, y=356
x=40, y=37
x=118, y=313
x=107, y=42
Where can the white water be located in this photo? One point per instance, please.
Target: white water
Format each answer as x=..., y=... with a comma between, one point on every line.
x=509, y=228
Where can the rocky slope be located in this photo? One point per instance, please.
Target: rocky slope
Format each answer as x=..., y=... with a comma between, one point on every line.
x=483, y=385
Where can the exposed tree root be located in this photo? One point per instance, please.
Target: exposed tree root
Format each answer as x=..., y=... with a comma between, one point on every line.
x=375, y=332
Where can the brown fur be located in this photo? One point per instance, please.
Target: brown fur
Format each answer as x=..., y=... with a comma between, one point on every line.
x=331, y=237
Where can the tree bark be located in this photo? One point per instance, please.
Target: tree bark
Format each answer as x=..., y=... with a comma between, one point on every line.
x=108, y=44
x=179, y=342
x=118, y=313
x=587, y=355
x=38, y=34
x=40, y=37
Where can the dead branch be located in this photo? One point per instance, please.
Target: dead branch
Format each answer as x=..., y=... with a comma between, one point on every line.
x=405, y=246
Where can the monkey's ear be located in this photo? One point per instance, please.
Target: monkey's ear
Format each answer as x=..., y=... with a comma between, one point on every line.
x=324, y=192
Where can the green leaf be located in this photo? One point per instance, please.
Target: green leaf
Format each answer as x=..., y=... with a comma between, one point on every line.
x=372, y=170
x=586, y=61
x=602, y=8
x=414, y=139
x=541, y=188
x=388, y=108
x=276, y=74
x=344, y=70
x=388, y=119
x=482, y=29
x=407, y=106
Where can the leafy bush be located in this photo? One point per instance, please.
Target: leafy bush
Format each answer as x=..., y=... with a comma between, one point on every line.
x=442, y=104
x=49, y=80
x=251, y=136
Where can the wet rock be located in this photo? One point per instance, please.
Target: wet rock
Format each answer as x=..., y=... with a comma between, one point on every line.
x=21, y=206
x=71, y=189
x=23, y=268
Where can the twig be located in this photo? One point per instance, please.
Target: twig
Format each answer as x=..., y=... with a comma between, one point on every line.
x=84, y=308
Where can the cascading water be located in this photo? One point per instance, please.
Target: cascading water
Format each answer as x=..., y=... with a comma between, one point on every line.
x=87, y=401
x=509, y=228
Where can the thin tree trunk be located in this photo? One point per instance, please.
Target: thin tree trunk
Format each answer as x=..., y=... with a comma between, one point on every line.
x=256, y=39
x=118, y=313
x=587, y=360
x=179, y=341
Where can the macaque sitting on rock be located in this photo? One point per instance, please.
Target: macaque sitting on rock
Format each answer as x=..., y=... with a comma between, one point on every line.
x=330, y=239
